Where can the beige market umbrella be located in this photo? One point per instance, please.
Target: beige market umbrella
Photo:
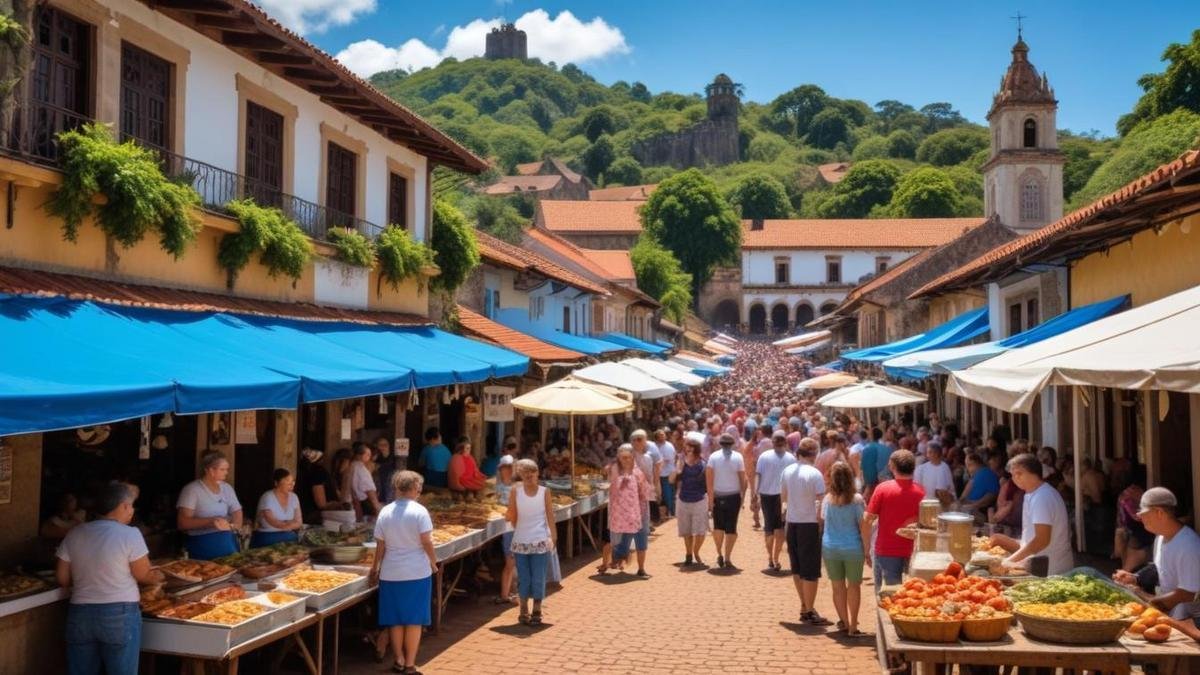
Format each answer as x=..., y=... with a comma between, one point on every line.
x=571, y=397
x=871, y=395
x=828, y=381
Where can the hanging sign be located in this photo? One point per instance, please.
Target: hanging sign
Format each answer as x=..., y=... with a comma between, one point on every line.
x=497, y=404
x=401, y=446
x=246, y=432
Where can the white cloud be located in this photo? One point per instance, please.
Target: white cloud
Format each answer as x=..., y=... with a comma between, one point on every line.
x=316, y=16
x=562, y=39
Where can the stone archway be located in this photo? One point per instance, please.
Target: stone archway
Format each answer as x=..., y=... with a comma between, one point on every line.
x=804, y=314
x=779, y=318
x=726, y=316
x=828, y=307
x=758, y=319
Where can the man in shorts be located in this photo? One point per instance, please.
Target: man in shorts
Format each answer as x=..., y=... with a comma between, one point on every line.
x=768, y=474
x=726, y=479
x=802, y=489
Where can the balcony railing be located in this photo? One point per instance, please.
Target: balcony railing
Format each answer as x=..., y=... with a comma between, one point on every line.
x=35, y=139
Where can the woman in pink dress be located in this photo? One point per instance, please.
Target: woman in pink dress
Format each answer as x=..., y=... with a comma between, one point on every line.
x=626, y=499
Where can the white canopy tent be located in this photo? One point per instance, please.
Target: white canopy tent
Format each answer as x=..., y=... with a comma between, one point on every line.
x=829, y=381
x=693, y=362
x=1147, y=347
x=809, y=347
x=661, y=371
x=803, y=339
x=871, y=395
x=720, y=348
x=727, y=339
x=626, y=378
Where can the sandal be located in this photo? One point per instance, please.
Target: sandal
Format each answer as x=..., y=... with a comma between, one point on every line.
x=523, y=619
x=815, y=619
x=602, y=569
x=535, y=619
x=856, y=633
x=841, y=625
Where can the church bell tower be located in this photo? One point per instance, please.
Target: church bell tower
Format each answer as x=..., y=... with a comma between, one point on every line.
x=1023, y=179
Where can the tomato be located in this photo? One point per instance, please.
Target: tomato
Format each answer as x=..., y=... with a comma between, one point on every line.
x=998, y=603
x=978, y=597
x=954, y=569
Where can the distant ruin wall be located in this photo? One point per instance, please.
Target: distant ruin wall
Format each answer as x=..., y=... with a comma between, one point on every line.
x=707, y=143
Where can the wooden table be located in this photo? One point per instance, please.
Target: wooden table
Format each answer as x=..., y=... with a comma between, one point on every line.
x=334, y=612
x=1017, y=649
x=1178, y=656
x=228, y=662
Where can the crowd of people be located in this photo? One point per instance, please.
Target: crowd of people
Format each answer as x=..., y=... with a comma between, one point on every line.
x=825, y=487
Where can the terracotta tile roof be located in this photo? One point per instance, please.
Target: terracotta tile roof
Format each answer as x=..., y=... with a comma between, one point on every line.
x=880, y=279
x=593, y=217
x=528, y=168
x=504, y=253
x=278, y=38
x=510, y=184
x=636, y=193
x=479, y=326
x=581, y=259
x=1078, y=232
x=564, y=170
x=19, y=281
x=616, y=263
x=906, y=233
x=833, y=173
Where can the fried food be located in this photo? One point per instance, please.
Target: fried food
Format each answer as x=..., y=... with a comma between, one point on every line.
x=224, y=595
x=231, y=613
x=195, y=570
x=278, y=598
x=185, y=611
x=317, y=581
x=16, y=584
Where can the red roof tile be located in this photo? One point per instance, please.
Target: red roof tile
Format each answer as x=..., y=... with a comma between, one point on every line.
x=1024, y=248
x=906, y=233
x=616, y=264
x=833, y=173
x=887, y=275
x=636, y=193
x=528, y=168
x=581, y=259
x=592, y=217
x=18, y=281
x=477, y=325
x=504, y=253
x=510, y=184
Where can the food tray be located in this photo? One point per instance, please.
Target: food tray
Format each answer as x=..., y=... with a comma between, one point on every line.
x=565, y=512
x=495, y=528
x=319, y=601
x=194, y=638
x=177, y=588
x=339, y=555
x=458, y=546
x=927, y=631
x=1068, y=632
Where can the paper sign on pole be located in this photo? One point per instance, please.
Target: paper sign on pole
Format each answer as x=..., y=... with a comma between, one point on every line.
x=497, y=404
x=246, y=427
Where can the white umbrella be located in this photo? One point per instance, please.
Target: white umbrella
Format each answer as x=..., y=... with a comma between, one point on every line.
x=661, y=371
x=808, y=347
x=695, y=362
x=871, y=395
x=830, y=381
x=626, y=378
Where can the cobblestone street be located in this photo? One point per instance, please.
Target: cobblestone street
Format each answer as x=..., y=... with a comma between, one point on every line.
x=698, y=621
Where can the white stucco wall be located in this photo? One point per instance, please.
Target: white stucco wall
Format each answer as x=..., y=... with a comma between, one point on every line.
x=554, y=302
x=340, y=285
x=211, y=120
x=808, y=265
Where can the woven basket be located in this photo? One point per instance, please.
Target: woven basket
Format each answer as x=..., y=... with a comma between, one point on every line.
x=987, y=630
x=927, y=631
x=1066, y=631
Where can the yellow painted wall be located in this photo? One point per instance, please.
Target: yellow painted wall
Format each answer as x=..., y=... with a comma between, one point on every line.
x=510, y=297
x=942, y=308
x=412, y=297
x=1148, y=267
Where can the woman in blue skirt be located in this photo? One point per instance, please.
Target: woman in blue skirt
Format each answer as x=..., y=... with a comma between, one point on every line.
x=209, y=511
x=279, y=515
x=404, y=566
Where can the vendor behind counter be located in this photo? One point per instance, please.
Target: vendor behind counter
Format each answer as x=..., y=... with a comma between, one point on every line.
x=208, y=511
x=279, y=517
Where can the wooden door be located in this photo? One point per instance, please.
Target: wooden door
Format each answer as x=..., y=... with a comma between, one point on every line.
x=398, y=200
x=341, y=182
x=58, y=78
x=264, y=154
x=145, y=97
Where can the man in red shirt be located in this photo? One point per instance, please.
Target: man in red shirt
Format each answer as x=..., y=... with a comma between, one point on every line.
x=894, y=504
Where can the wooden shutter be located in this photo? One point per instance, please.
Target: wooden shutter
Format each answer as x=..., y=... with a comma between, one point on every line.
x=58, y=78
x=145, y=97
x=264, y=154
x=341, y=180
x=398, y=200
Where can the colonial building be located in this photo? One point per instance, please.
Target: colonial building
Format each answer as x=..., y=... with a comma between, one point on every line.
x=548, y=179
x=592, y=224
x=625, y=193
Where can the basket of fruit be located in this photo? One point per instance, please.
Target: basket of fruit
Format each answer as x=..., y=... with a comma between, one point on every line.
x=1073, y=622
x=1151, y=625
x=986, y=625
x=940, y=609
x=937, y=629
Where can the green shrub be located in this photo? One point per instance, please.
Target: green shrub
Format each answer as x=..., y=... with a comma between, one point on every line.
x=352, y=247
x=400, y=257
x=455, y=251
x=282, y=246
x=139, y=198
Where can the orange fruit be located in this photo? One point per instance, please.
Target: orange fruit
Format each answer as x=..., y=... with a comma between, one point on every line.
x=1138, y=627
x=1159, y=633
x=1162, y=621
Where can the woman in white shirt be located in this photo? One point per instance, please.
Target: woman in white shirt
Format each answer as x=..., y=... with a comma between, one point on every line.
x=362, y=482
x=531, y=512
x=278, y=512
x=404, y=567
x=209, y=511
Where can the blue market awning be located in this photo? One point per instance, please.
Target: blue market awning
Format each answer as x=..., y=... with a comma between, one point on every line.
x=836, y=364
x=664, y=343
x=634, y=343
x=516, y=319
x=960, y=329
x=921, y=364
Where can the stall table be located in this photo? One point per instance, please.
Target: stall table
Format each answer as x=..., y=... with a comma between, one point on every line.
x=228, y=662
x=1178, y=656
x=334, y=612
x=1017, y=649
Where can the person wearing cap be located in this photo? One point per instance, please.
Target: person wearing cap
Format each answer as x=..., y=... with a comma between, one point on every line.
x=726, y=483
x=1176, y=557
x=766, y=489
x=1045, y=529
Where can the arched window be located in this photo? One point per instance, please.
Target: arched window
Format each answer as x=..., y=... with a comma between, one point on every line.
x=758, y=319
x=1030, y=140
x=1031, y=200
x=804, y=314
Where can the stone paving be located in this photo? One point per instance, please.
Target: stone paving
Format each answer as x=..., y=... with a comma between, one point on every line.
x=694, y=621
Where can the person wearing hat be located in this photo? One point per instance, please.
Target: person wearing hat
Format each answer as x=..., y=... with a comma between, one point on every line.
x=725, y=475
x=1176, y=557
x=1045, y=529
x=768, y=474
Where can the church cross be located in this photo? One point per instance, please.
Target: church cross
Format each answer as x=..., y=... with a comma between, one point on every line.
x=1018, y=19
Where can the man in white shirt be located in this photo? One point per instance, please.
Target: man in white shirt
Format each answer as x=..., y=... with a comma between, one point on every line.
x=666, y=452
x=768, y=475
x=802, y=489
x=726, y=478
x=1044, y=525
x=934, y=475
x=1176, y=557
x=650, y=463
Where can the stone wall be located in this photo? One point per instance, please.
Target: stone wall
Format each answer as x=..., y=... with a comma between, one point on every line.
x=725, y=284
x=707, y=143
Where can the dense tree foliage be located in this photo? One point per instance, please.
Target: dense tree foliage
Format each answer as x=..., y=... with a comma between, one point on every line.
x=1176, y=87
x=864, y=186
x=760, y=195
x=952, y=146
x=1146, y=146
x=660, y=276
x=925, y=192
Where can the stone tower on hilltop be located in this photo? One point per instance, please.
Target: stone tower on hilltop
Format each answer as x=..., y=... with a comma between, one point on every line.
x=713, y=141
x=1023, y=180
x=506, y=42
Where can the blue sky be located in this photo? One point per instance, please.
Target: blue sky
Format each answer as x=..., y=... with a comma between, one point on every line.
x=915, y=52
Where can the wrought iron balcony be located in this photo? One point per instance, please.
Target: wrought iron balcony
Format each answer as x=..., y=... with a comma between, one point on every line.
x=35, y=140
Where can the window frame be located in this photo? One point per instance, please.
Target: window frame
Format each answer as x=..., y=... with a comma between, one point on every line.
x=329, y=134
x=830, y=261
x=248, y=92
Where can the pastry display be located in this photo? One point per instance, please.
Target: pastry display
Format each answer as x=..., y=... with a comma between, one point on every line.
x=19, y=584
x=224, y=595
x=195, y=571
x=231, y=613
x=317, y=581
x=184, y=611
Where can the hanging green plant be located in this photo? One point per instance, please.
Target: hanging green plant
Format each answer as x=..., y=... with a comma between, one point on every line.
x=455, y=250
x=138, y=197
x=400, y=257
x=12, y=32
x=282, y=246
x=352, y=247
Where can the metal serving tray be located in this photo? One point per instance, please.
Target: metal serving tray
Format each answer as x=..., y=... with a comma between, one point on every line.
x=455, y=547
x=195, y=638
x=319, y=601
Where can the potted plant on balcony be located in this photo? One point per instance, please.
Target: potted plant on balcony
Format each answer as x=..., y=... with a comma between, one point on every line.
x=282, y=246
x=351, y=247
x=400, y=258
